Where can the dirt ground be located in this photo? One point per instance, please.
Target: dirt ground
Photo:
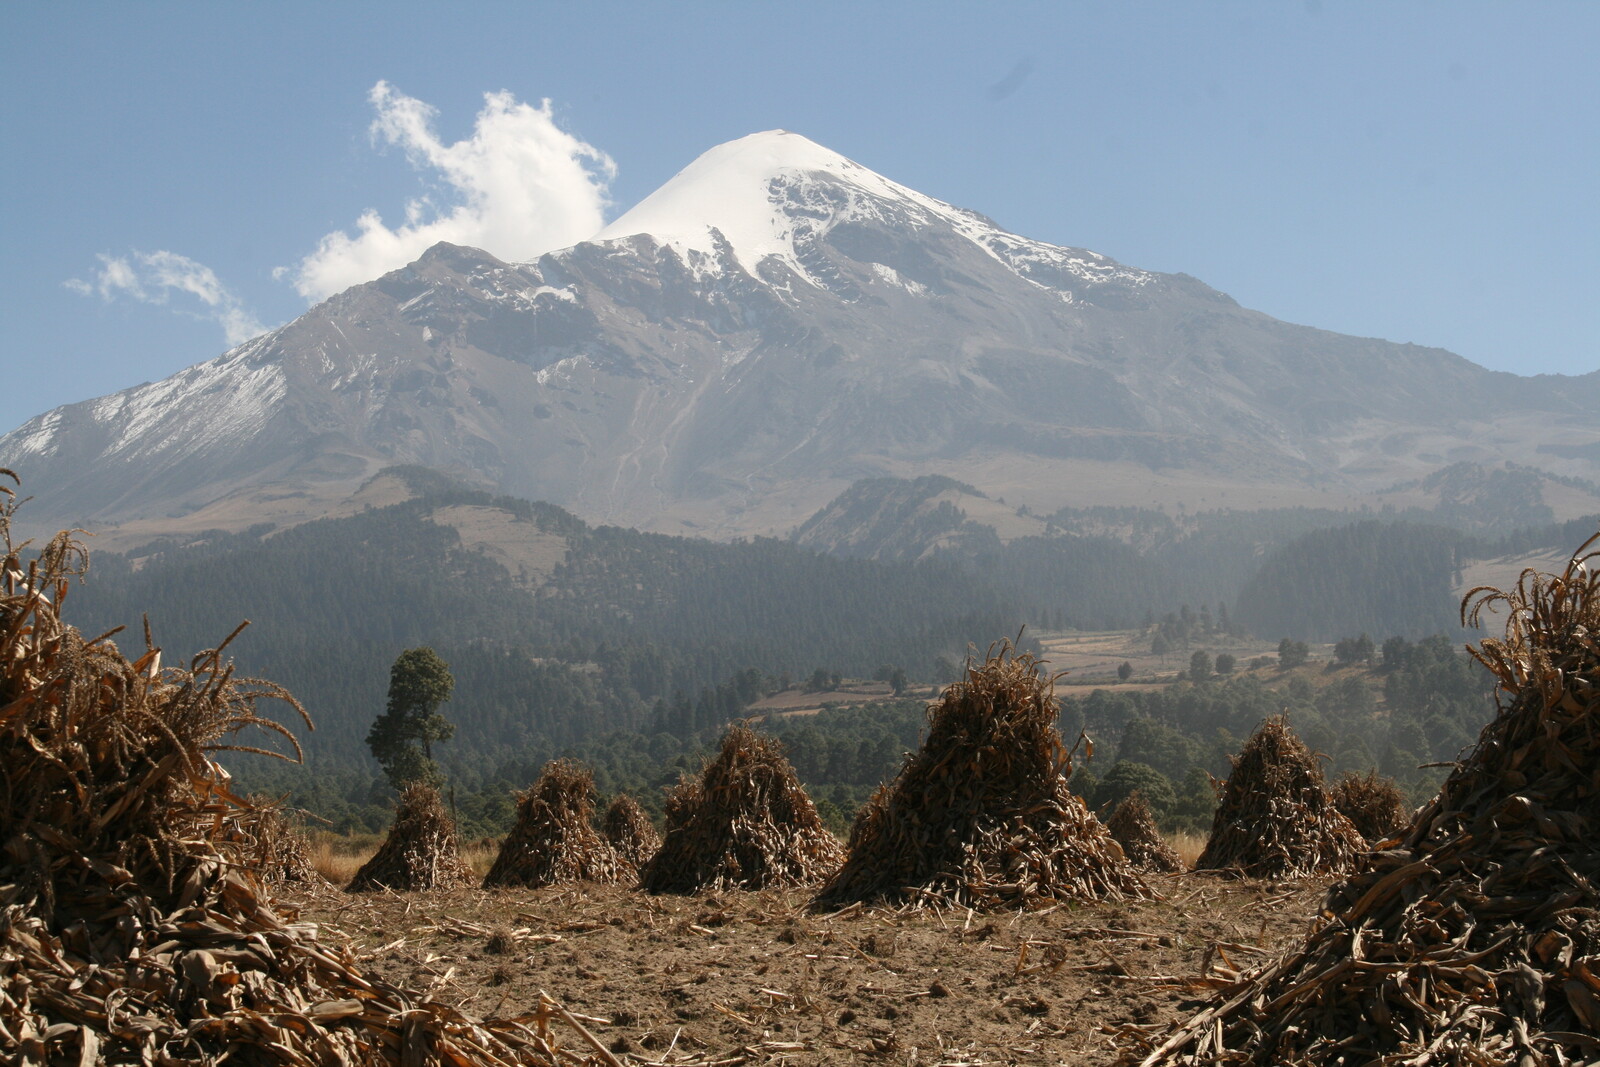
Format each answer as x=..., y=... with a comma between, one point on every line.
x=756, y=978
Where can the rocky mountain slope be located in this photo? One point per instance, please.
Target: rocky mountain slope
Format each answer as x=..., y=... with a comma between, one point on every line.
x=772, y=325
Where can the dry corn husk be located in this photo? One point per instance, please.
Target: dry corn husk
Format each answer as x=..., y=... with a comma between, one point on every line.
x=1275, y=818
x=554, y=839
x=981, y=816
x=745, y=823
x=1475, y=939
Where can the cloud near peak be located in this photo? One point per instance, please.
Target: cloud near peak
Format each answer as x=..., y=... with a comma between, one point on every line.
x=153, y=278
x=519, y=186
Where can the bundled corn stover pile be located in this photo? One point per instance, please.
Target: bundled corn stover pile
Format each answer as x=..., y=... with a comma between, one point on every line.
x=420, y=851
x=1374, y=805
x=629, y=830
x=131, y=931
x=1477, y=939
x=745, y=823
x=981, y=816
x=1134, y=828
x=275, y=844
x=1275, y=818
x=554, y=839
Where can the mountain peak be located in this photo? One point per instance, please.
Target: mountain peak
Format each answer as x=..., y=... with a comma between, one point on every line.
x=739, y=189
x=777, y=194
x=815, y=324
x=455, y=257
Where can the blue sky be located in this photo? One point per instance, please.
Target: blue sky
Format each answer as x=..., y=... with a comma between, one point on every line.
x=1419, y=172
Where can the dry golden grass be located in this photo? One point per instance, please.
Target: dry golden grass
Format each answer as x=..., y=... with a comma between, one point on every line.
x=1188, y=846
x=337, y=857
x=480, y=855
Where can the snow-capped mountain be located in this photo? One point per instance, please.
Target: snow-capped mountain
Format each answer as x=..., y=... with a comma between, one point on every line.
x=769, y=326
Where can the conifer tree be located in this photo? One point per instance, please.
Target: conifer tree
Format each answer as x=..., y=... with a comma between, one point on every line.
x=402, y=737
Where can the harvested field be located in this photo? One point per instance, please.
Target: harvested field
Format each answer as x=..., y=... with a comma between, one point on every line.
x=757, y=978
x=134, y=925
x=807, y=702
x=1093, y=656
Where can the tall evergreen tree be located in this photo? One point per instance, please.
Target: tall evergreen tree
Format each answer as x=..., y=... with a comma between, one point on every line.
x=402, y=737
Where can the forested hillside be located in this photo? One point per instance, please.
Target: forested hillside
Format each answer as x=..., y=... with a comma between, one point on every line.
x=633, y=650
x=1369, y=577
x=624, y=621
x=1108, y=567
x=1418, y=703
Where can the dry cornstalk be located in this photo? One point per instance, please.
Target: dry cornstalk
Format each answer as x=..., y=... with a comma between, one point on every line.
x=981, y=816
x=134, y=927
x=554, y=839
x=1274, y=818
x=1374, y=805
x=420, y=851
x=745, y=823
x=1475, y=940
x=1135, y=830
x=274, y=842
x=630, y=831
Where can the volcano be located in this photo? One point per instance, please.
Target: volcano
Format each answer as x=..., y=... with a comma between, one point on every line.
x=773, y=324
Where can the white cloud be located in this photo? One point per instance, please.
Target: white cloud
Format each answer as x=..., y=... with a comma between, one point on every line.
x=152, y=277
x=518, y=187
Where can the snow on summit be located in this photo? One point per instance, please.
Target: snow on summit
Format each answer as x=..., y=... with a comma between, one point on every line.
x=740, y=189
x=760, y=193
x=737, y=188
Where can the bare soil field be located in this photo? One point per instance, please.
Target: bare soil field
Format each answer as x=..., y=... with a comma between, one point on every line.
x=756, y=978
x=808, y=702
x=1091, y=657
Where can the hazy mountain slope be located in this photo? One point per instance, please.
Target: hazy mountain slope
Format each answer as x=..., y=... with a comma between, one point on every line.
x=1099, y=567
x=772, y=325
x=584, y=630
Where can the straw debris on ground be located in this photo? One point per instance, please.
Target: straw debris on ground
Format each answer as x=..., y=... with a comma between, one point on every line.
x=1374, y=804
x=981, y=815
x=554, y=839
x=744, y=823
x=630, y=831
x=134, y=928
x=1134, y=828
x=420, y=852
x=1476, y=939
x=1274, y=816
